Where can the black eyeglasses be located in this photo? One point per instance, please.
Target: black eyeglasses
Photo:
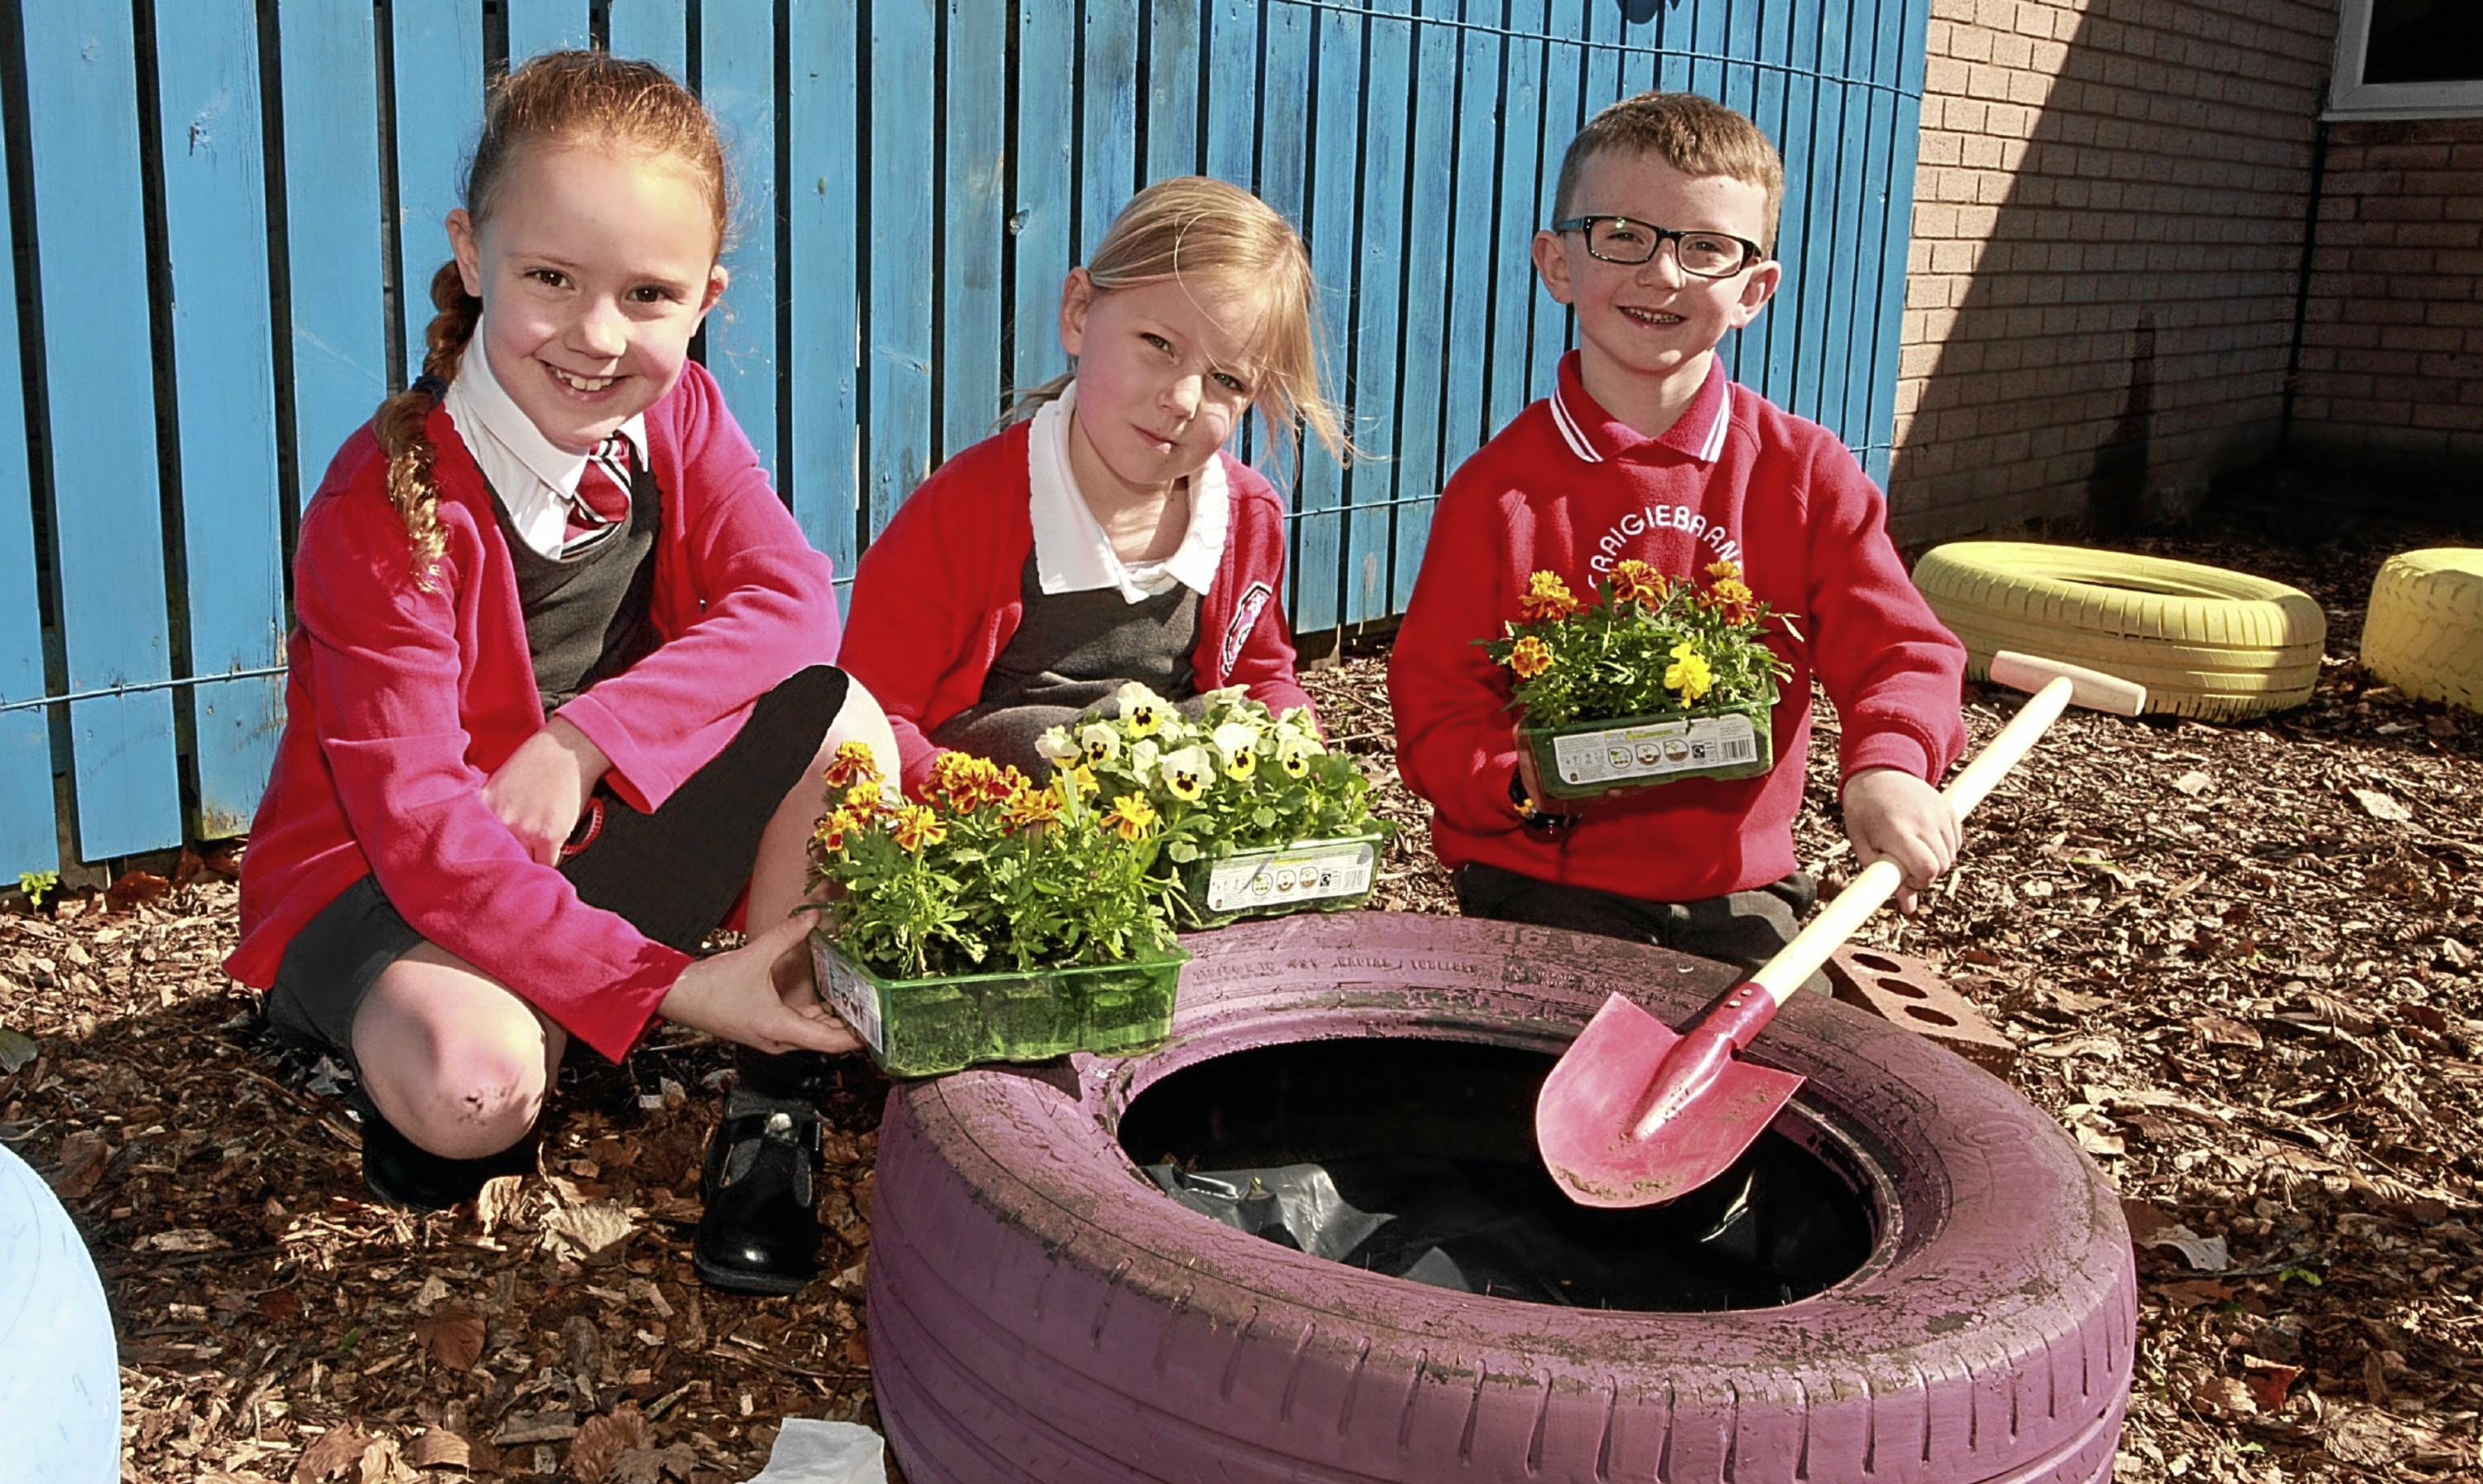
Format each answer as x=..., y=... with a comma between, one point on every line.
x=1627, y=239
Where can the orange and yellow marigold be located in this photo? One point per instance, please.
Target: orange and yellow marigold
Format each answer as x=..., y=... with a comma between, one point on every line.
x=916, y=826
x=852, y=763
x=1546, y=597
x=1635, y=582
x=1131, y=815
x=1530, y=657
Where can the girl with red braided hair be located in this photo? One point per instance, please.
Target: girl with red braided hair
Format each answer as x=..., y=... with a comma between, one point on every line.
x=561, y=687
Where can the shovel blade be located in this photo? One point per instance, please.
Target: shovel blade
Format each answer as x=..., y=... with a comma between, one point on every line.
x=1596, y=1094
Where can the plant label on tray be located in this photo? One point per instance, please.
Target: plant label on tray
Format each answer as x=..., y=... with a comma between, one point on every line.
x=1301, y=874
x=855, y=1000
x=1651, y=750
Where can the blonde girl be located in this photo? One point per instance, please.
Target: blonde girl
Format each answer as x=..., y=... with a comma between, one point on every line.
x=1110, y=535
x=560, y=688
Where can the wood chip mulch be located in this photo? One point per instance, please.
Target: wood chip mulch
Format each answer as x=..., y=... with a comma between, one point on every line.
x=2237, y=962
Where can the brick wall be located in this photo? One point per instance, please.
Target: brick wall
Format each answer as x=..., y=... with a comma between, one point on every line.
x=2392, y=347
x=2108, y=224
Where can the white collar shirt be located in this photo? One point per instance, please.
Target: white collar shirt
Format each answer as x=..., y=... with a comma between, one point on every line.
x=534, y=479
x=1071, y=554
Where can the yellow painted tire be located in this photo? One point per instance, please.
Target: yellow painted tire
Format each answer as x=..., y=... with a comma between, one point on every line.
x=2425, y=634
x=2206, y=642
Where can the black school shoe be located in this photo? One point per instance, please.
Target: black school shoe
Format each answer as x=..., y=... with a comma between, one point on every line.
x=401, y=1173
x=760, y=1232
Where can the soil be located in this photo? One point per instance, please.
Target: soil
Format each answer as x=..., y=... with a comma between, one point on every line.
x=2237, y=961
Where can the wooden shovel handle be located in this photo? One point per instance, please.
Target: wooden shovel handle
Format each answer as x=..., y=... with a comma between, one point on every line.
x=1837, y=922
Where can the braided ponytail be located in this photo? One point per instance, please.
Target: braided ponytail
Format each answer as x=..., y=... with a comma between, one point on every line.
x=400, y=423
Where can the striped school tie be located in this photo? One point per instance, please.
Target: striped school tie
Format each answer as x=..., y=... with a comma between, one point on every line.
x=602, y=498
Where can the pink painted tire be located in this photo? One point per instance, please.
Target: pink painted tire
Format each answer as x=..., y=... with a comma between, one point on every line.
x=1040, y=1312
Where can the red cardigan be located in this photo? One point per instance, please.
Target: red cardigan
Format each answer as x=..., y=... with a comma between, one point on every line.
x=1567, y=488
x=401, y=700
x=937, y=595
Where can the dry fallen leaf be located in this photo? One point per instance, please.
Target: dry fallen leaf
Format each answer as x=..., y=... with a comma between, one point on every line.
x=600, y=1441
x=2268, y=1381
x=2225, y=1397
x=2204, y=1254
x=2224, y=1030
x=592, y=1227
x=497, y=1202
x=453, y=1335
x=84, y=1155
x=182, y=1240
x=334, y=1450
x=438, y=1448
x=650, y=1465
x=2192, y=1292
x=2194, y=782
x=2380, y=805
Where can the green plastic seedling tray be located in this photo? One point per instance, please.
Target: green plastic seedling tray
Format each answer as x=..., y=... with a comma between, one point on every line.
x=1592, y=759
x=915, y=1027
x=1322, y=875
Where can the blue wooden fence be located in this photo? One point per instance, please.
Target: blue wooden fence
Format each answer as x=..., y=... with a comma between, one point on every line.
x=225, y=213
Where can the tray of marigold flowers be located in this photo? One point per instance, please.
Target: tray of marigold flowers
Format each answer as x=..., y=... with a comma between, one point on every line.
x=996, y=919
x=1259, y=818
x=1647, y=681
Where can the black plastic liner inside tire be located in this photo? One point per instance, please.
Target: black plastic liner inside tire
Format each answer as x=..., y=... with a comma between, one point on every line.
x=1039, y=1312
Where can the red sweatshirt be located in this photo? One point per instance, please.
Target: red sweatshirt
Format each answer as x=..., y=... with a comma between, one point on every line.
x=937, y=597
x=400, y=702
x=1567, y=489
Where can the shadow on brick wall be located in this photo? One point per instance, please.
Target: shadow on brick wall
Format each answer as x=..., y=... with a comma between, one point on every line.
x=2108, y=253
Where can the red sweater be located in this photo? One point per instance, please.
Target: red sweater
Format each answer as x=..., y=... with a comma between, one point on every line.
x=400, y=702
x=937, y=595
x=1567, y=489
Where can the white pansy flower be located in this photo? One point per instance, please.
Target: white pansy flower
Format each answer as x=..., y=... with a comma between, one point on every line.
x=1056, y=747
x=1188, y=771
x=1098, y=742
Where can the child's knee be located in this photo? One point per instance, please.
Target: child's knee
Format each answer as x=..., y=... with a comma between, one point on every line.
x=476, y=1098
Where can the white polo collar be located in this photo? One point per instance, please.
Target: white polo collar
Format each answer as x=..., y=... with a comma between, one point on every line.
x=1071, y=554
x=1594, y=435
x=534, y=479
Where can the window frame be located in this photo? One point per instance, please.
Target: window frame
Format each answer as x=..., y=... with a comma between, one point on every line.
x=2349, y=98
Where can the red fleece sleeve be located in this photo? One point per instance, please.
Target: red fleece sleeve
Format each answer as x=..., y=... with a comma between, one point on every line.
x=385, y=672
x=916, y=607
x=1266, y=663
x=1893, y=670
x=1456, y=741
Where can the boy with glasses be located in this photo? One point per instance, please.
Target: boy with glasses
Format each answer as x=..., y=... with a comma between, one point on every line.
x=1647, y=451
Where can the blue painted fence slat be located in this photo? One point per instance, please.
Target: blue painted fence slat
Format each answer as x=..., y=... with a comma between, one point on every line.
x=658, y=30
x=901, y=217
x=1233, y=91
x=1043, y=192
x=1172, y=89
x=1329, y=221
x=824, y=287
x=539, y=26
x=215, y=210
x=439, y=62
x=1561, y=67
x=29, y=834
x=333, y=216
x=99, y=376
x=737, y=56
x=973, y=194
x=1429, y=217
x=1514, y=291
x=1107, y=125
x=1475, y=248
x=1379, y=284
